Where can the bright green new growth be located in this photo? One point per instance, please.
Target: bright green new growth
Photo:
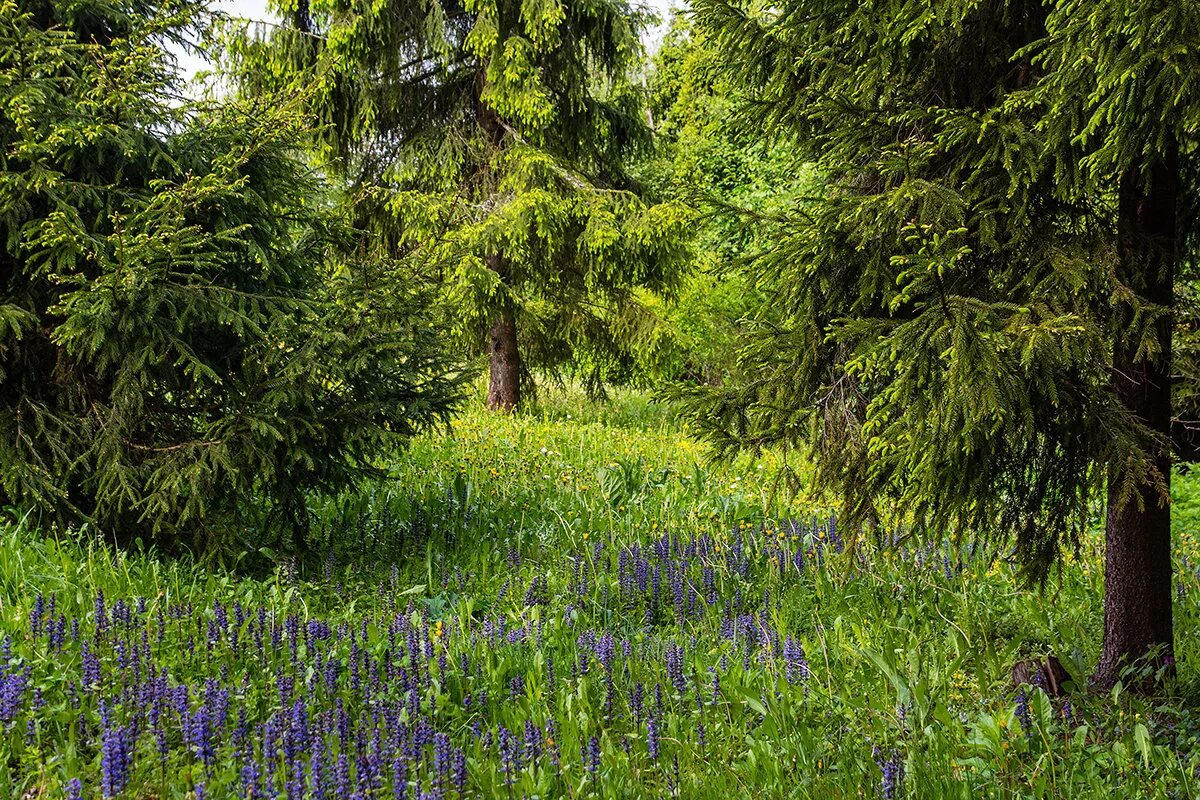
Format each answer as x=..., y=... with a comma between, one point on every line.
x=493, y=138
x=188, y=328
x=705, y=159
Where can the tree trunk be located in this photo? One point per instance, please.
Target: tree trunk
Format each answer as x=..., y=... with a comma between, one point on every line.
x=1137, y=558
x=504, y=380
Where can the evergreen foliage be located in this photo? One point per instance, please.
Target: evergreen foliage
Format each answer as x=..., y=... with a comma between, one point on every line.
x=493, y=136
x=188, y=326
x=977, y=310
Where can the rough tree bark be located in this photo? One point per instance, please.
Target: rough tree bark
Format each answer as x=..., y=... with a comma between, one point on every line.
x=1137, y=557
x=504, y=379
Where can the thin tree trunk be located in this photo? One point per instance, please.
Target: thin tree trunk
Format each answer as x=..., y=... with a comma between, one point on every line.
x=1137, y=559
x=504, y=379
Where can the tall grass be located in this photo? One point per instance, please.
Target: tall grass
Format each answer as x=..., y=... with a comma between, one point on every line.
x=572, y=603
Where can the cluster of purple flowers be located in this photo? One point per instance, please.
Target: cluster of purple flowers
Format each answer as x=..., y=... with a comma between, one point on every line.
x=891, y=767
x=795, y=663
x=14, y=681
x=262, y=702
x=1022, y=712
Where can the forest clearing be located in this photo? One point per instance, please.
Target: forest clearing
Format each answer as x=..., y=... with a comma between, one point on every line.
x=581, y=399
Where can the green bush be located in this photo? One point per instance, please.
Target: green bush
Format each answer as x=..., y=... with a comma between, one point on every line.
x=189, y=330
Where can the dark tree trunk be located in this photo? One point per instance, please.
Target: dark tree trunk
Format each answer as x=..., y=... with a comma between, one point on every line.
x=1137, y=559
x=504, y=380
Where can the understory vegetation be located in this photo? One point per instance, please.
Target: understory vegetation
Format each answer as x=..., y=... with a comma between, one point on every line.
x=572, y=603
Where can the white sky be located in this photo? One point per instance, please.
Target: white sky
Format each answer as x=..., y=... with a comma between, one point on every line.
x=257, y=10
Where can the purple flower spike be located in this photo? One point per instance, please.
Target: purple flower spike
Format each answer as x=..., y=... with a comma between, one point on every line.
x=116, y=758
x=1023, y=712
x=675, y=667
x=593, y=755
x=893, y=773
x=796, y=665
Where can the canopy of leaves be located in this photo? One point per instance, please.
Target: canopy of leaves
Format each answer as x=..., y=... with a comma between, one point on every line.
x=187, y=327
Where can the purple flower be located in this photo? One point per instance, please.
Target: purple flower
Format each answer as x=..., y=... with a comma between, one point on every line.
x=605, y=649
x=675, y=667
x=12, y=693
x=795, y=664
x=1022, y=712
x=317, y=767
x=37, y=614
x=251, y=777
x=635, y=701
x=101, y=613
x=709, y=580
x=893, y=772
x=592, y=761
x=199, y=735
x=116, y=757
x=652, y=737
x=460, y=771
x=91, y=668
x=510, y=755
x=533, y=741
x=342, y=786
x=399, y=779
x=299, y=726
x=441, y=763
x=551, y=744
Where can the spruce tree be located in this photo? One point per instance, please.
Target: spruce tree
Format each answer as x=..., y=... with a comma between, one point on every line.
x=983, y=303
x=492, y=136
x=188, y=328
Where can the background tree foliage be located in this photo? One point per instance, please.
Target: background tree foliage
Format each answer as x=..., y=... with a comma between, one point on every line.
x=188, y=326
x=494, y=136
x=977, y=309
x=706, y=159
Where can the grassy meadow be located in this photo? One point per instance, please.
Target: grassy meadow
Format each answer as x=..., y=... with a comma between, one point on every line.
x=572, y=603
